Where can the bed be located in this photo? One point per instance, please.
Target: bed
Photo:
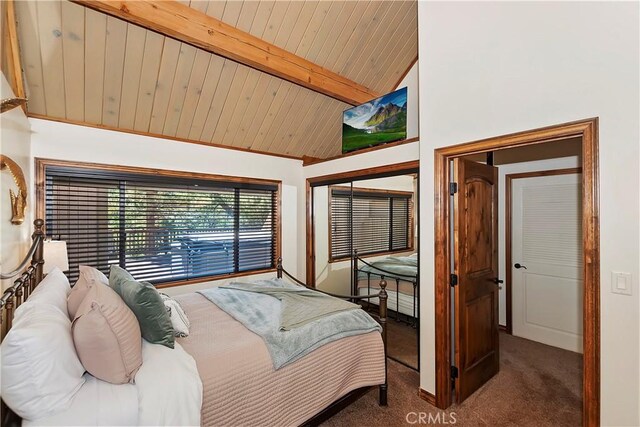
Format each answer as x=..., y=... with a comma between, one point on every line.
x=401, y=275
x=220, y=375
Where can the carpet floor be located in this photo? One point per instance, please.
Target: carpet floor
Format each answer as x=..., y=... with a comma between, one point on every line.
x=537, y=385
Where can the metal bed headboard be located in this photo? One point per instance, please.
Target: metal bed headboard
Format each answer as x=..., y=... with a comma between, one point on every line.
x=30, y=271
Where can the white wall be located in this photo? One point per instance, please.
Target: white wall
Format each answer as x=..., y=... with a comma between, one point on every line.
x=491, y=68
x=54, y=140
x=413, y=114
x=15, y=240
x=335, y=276
x=386, y=156
x=394, y=183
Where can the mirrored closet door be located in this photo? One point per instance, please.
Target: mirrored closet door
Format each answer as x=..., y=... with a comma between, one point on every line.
x=366, y=230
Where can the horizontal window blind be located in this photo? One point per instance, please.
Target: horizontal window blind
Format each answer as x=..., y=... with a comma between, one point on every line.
x=381, y=222
x=161, y=228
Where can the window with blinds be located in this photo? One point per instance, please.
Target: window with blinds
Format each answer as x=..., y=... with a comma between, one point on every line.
x=369, y=221
x=161, y=228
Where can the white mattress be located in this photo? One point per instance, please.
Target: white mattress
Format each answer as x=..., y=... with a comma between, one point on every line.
x=167, y=391
x=405, y=305
x=97, y=403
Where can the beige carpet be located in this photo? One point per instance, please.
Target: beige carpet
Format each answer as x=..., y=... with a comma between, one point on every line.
x=537, y=386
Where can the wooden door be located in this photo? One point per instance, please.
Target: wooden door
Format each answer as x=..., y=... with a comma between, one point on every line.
x=475, y=212
x=547, y=260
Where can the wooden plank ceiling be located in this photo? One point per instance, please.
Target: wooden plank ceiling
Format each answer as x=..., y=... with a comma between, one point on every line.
x=84, y=66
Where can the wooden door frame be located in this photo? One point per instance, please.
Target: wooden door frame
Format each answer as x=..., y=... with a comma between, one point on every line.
x=337, y=178
x=587, y=130
x=508, y=229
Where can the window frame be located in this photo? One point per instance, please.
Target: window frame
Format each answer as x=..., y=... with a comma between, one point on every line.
x=41, y=165
x=411, y=240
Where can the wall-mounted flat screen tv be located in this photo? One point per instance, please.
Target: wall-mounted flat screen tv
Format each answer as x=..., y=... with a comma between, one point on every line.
x=378, y=121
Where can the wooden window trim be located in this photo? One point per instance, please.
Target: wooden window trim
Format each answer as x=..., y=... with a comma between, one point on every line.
x=408, y=194
x=41, y=165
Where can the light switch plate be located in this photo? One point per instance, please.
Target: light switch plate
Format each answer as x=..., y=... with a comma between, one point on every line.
x=621, y=283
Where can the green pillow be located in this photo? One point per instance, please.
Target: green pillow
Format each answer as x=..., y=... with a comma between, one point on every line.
x=145, y=302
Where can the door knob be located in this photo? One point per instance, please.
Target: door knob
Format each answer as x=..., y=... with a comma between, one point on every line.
x=518, y=266
x=497, y=282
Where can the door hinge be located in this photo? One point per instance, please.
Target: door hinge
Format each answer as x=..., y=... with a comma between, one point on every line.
x=454, y=372
x=453, y=279
x=453, y=188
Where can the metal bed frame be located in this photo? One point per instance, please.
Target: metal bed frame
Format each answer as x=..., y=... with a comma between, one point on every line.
x=387, y=275
x=18, y=293
x=30, y=272
x=354, y=395
x=384, y=275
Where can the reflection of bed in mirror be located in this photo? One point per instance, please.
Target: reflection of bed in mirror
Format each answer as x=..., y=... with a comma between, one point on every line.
x=401, y=274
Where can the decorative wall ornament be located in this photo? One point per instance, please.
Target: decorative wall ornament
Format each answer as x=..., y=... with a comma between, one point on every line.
x=19, y=200
x=11, y=103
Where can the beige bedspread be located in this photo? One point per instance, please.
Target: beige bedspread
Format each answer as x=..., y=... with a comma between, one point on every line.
x=241, y=388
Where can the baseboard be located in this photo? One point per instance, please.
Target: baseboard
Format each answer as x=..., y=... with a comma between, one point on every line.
x=425, y=395
x=502, y=328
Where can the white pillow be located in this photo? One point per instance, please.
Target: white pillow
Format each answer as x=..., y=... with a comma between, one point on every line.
x=179, y=319
x=53, y=290
x=40, y=370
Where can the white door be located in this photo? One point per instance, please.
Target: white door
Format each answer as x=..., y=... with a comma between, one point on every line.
x=547, y=260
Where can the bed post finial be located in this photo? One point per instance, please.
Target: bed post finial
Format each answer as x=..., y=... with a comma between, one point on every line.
x=383, y=322
x=354, y=272
x=38, y=255
x=279, y=268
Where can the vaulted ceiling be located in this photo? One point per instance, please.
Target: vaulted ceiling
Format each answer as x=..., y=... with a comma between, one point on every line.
x=84, y=66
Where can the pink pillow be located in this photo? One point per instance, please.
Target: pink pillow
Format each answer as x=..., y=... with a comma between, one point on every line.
x=107, y=336
x=88, y=277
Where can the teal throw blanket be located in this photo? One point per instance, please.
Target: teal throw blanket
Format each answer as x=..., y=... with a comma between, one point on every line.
x=292, y=320
x=405, y=267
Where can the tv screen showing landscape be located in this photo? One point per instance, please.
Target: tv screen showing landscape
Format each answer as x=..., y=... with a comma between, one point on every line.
x=377, y=122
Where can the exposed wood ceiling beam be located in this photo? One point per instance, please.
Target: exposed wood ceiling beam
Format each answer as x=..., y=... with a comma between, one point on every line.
x=13, y=53
x=191, y=26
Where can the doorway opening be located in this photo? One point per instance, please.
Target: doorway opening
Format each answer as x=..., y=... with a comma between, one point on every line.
x=362, y=227
x=480, y=268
